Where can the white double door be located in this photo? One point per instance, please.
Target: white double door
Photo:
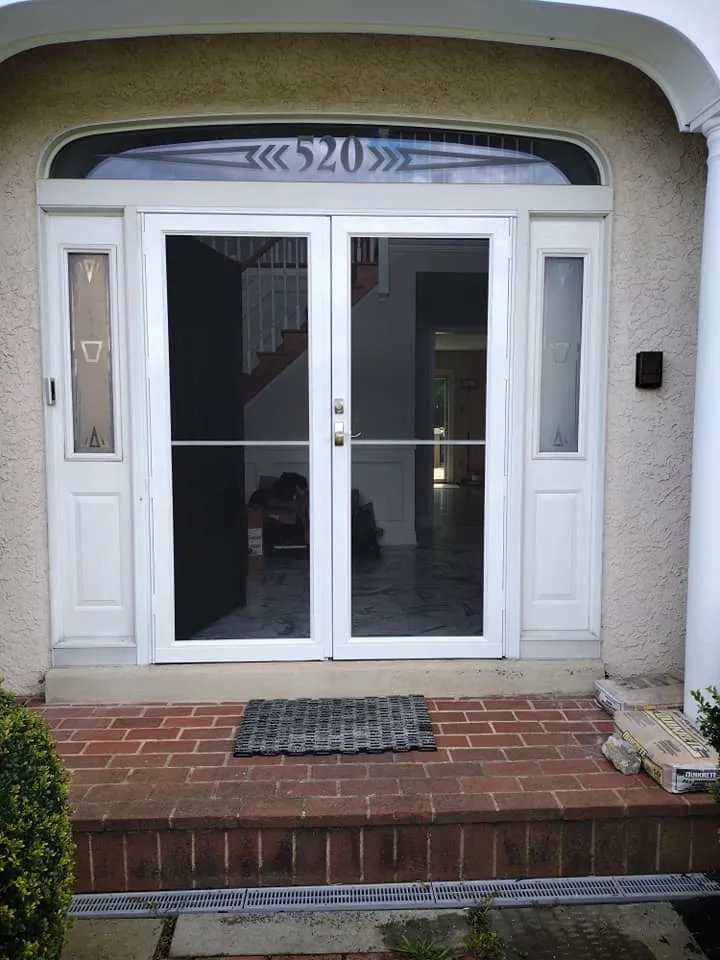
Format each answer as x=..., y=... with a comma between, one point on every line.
x=327, y=401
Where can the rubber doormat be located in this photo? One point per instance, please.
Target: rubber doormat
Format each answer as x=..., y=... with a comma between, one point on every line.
x=347, y=725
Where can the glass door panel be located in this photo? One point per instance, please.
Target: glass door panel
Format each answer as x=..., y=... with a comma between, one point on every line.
x=411, y=325
x=417, y=556
x=243, y=340
x=237, y=337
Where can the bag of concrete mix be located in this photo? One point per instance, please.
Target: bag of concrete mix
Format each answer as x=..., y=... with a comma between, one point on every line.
x=653, y=692
x=673, y=751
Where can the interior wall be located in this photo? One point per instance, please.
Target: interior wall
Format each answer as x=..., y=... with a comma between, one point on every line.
x=280, y=411
x=658, y=177
x=452, y=298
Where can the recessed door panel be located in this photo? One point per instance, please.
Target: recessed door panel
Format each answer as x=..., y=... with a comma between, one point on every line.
x=97, y=549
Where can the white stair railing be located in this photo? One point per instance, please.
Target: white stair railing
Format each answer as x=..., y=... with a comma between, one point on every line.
x=274, y=289
x=274, y=297
x=275, y=285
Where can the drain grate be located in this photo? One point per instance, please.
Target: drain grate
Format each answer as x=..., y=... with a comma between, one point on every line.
x=157, y=904
x=516, y=892
x=683, y=885
x=392, y=896
x=397, y=896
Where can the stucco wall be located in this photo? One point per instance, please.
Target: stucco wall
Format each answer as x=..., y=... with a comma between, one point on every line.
x=657, y=173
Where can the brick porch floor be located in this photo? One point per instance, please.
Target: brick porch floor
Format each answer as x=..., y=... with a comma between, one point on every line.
x=518, y=787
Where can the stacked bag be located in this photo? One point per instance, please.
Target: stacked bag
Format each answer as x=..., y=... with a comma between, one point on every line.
x=650, y=724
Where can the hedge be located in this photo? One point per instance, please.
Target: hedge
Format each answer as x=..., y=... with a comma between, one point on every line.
x=36, y=848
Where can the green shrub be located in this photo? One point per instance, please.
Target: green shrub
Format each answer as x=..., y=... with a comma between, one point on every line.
x=36, y=849
x=709, y=723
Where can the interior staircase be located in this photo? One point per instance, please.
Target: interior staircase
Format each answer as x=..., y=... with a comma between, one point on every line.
x=271, y=363
x=275, y=296
x=293, y=343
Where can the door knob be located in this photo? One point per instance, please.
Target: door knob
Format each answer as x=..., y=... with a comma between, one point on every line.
x=339, y=433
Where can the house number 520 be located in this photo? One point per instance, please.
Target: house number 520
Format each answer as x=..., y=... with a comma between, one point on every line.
x=324, y=152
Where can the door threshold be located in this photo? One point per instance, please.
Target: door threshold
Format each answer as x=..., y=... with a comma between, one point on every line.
x=214, y=682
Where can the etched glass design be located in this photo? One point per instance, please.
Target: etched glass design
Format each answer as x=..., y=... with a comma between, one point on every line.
x=561, y=349
x=90, y=350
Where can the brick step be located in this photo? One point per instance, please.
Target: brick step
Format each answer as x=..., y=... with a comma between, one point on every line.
x=517, y=787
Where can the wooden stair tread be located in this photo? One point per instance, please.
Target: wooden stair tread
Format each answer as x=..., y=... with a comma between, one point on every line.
x=271, y=363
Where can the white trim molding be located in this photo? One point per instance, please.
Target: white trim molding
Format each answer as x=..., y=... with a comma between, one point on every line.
x=702, y=649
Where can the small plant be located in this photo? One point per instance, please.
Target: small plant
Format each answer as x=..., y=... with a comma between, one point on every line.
x=36, y=849
x=481, y=941
x=709, y=723
x=424, y=950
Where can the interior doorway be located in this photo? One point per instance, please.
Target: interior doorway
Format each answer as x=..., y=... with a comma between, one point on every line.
x=441, y=428
x=312, y=376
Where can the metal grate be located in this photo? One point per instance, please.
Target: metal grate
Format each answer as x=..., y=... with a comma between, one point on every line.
x=392, y=896
x=397, y=896
x=683, y=885
x=157, y=904
x=516, y=892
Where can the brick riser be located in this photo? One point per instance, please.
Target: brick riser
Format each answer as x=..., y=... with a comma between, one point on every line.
x=207, y=856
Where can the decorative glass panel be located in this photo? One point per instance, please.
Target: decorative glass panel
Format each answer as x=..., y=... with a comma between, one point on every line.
x=90, y=345
x=325, y=152
x=561, y=342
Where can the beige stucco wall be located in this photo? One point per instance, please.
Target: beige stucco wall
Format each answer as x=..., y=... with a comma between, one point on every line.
x=658, y=177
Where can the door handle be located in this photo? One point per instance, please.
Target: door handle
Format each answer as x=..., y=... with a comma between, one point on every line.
x=50, y=397
x=340, y=434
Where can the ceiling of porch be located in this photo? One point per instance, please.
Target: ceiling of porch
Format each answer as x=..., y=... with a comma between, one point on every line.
x=675, y=44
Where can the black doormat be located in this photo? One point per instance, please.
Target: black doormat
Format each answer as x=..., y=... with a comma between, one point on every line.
x=347, y=725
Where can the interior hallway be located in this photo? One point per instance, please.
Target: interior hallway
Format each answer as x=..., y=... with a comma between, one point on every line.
x=432, y=589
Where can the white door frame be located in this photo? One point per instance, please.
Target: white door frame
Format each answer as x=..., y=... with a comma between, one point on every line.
x=330, y=600
x=317, y=230
x=499, y=232
x=131, y=202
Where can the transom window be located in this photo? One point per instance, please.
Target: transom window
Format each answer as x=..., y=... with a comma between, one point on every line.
x=325, y=153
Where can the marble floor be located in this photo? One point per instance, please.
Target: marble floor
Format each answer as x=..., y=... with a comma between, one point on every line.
x=432, y=589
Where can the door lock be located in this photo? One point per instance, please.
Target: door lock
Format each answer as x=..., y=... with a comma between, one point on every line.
x=339, y=433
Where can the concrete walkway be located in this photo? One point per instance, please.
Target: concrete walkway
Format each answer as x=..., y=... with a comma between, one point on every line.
x=624, y=932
